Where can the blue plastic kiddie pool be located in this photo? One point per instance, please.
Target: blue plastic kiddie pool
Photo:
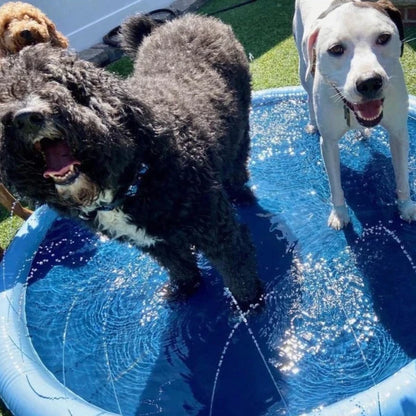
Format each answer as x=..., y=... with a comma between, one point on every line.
x=83, y=330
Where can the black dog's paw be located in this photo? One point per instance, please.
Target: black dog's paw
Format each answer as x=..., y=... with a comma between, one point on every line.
x=243, y=197
x=173, y=292
x=254, y=303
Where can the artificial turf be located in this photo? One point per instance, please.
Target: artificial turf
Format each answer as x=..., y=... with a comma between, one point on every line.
x=264, y=27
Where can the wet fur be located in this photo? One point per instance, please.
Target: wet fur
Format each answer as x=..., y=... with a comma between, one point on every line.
x=183, y=114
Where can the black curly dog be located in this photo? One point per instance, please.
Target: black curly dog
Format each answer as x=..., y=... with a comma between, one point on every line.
x=155, y=160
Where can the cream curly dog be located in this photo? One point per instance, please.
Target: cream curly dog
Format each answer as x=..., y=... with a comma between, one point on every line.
x=22, y=24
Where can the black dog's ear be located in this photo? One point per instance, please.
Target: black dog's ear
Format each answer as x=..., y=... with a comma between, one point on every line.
x=79, y=92
x=77, y=89
x=394, y=13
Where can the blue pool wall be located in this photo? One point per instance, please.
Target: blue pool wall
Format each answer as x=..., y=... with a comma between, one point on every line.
x=29, y=389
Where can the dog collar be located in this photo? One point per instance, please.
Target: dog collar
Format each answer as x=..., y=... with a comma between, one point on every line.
x=132, y=191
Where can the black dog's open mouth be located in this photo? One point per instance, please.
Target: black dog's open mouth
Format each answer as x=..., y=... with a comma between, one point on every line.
x=61, y=165
x=369, y=113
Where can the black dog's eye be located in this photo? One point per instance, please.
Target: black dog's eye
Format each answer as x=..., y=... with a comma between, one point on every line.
x=336, y=50
x=383, y=39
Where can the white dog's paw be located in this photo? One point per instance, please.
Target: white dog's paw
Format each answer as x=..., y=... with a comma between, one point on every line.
x=339, y=217
x=407, y=210
x=311, y=128
x=363, y=134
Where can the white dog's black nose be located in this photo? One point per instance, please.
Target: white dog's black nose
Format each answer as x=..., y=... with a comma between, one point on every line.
x=28, y=121
x=369, y=86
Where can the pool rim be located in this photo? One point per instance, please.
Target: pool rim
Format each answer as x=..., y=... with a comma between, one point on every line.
x=28, y=388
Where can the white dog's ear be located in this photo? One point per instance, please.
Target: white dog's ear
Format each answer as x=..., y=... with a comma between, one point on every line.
x=310, y=48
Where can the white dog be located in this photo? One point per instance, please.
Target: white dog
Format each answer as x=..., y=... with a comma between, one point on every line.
x=349, y=65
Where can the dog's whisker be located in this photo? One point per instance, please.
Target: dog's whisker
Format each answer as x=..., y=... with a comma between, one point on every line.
x=337, y=97
x=408, y=40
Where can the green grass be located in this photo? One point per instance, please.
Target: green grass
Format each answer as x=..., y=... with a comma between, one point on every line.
x=8, y=226
x=122, y=67
x=265, y=30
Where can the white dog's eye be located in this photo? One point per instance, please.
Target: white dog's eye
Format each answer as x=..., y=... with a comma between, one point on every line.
x=383, y=38
x=336, y=50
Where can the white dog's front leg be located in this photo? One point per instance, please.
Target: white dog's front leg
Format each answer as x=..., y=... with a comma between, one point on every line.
x=339, y=217
x=311, y=127
x=399, y=147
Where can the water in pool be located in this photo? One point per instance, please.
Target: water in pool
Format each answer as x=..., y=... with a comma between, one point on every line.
x=338, y=312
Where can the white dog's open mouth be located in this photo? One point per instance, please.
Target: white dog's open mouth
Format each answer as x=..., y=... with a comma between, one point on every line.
x=369, y=113
x=61, y=165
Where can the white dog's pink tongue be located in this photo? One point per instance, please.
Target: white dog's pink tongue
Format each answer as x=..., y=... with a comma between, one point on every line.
x=59, y=159
x=369, y=110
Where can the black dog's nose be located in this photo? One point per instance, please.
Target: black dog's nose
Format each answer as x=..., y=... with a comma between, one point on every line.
x=369, y=86
x=28, y=121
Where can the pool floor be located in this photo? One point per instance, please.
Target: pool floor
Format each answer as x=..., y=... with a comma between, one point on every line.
x=339, y=308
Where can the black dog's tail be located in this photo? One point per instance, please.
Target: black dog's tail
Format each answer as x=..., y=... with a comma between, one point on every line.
x=135, y=28
x=132, y=32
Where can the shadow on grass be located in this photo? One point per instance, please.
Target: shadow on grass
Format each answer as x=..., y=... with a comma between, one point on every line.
x=260, y=25
x=410, y=37
x=4, y=214
x=3, y=410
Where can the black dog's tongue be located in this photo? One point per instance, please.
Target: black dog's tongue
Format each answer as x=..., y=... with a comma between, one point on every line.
x=59, y=158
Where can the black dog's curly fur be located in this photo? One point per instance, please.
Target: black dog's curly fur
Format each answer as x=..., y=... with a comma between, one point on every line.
x=181, y=119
